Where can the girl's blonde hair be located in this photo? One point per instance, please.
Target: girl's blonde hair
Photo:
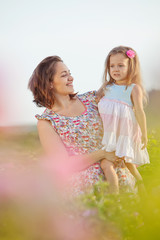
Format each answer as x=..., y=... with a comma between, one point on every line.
x=134, y=74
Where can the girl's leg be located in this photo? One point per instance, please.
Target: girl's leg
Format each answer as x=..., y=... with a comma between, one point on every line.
x=134, y=171
x=111, y=176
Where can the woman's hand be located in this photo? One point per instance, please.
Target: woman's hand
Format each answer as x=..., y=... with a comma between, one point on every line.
x=118, y=162
x=110, y=156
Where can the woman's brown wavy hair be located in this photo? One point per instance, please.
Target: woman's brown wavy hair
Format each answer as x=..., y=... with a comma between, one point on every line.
x=40, y=82
x=134, y=74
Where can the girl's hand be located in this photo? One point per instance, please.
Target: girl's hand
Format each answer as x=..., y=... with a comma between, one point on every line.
x=144, y=140
x=120, y=163
x=110, y=156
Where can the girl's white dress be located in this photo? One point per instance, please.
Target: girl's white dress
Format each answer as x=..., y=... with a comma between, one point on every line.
x=122, y=133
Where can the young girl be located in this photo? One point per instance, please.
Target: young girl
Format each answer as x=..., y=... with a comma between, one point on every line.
x=122, y=114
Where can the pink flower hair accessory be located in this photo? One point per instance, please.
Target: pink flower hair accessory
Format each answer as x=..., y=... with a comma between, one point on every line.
x=130, y=53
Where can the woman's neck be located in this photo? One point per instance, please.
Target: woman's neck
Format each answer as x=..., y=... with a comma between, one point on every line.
x=61, y=102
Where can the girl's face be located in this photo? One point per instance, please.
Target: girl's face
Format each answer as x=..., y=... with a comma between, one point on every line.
x=62, y=81
x=118, y=68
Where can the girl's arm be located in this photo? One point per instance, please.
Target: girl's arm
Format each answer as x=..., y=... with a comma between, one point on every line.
x=101, y=91
x=137, y=97
x=55, y=148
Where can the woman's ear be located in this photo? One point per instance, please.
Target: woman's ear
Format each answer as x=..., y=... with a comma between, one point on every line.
x=51, y=85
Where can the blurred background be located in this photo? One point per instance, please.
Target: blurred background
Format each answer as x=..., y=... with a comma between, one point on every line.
x=81, y=33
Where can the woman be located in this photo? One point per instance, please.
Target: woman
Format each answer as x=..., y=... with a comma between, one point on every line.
x=70, y=128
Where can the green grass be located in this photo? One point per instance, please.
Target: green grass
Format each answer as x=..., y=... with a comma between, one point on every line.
x=134, y=216
x=126, y=216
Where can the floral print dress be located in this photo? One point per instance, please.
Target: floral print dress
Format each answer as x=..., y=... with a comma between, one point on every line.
x=83, y=134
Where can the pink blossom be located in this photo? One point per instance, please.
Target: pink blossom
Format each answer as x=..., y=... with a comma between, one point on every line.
x=130, y=53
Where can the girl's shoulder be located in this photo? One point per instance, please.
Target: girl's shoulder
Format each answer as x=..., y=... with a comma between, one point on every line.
x=137, y=89
x=116, y=87
x=132, y=86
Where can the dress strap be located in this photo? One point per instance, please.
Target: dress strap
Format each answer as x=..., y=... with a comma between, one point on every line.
x=130, y=88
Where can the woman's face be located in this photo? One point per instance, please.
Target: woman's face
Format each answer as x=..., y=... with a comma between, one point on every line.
x=62, y=81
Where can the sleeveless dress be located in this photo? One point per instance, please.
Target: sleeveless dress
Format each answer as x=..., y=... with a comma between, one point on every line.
x=80, y=135
x=122, y=133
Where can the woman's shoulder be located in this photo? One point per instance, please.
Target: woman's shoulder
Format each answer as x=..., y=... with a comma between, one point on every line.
x=47, y=114
x=88, y=96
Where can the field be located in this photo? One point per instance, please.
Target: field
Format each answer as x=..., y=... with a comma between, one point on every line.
x=28, y=203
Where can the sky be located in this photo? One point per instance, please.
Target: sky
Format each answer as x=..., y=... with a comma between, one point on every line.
x=81, y=33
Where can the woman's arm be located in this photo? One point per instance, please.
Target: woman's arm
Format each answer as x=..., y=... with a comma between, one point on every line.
x=55, y=148
x=137, y=98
